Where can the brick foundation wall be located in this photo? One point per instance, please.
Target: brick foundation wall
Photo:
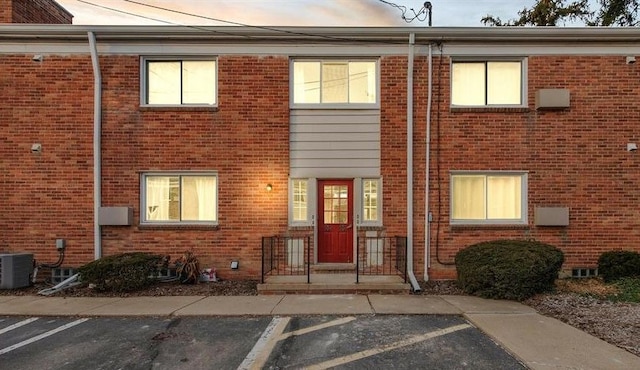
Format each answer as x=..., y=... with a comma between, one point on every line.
x=33, y=11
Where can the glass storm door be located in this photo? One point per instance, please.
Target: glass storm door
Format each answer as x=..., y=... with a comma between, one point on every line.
x=335, y=221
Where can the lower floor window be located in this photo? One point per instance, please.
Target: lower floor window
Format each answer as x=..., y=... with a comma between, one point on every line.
x=488, y=198
x=181, y=198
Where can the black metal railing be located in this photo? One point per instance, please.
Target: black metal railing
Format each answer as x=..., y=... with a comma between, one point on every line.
x=286, y=255
x=381, y=256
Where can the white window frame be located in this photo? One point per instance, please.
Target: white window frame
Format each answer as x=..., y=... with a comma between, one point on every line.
x=360, y=201
x=311, y=202
x=144, y=78
x=180, y=174
x=321, y=105
x=524, y=210
x=523, y=81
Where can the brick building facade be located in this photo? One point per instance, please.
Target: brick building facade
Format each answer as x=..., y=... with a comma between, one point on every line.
x=552, y=159
x=33, y=11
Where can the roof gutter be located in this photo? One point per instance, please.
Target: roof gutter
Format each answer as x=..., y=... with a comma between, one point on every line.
x=412, y=279
x=97, y=152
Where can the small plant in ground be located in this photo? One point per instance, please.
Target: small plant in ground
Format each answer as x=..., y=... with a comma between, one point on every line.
x=188, y=268
x=123, y=272
x=619, y=264
x=508, y=269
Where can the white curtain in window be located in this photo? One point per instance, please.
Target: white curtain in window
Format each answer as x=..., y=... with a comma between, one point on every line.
x=468, y=198
x=504, y=83
x=163, y=82
x=198, y=82
x=362, y=82
x=198, y=198
x=306, y=82
x=157, y=202
x=468, y=84
x=335, y=82
x=504, y=195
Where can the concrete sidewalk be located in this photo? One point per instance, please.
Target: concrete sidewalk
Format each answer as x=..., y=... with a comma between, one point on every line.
x=539, y=342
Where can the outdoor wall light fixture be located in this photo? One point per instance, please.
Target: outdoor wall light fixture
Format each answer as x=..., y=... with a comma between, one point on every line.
x=235, y=265
x=269, y=187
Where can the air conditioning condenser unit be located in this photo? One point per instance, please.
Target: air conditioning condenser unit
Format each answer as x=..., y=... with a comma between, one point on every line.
x=15, y=270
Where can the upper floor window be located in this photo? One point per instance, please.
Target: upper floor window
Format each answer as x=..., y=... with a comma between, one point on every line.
x=179, y=82
x=179, y=198
x=488, y=198
x=334, y=82
x=487, y=83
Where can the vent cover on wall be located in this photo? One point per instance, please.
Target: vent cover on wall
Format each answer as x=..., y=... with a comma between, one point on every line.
x=15, y=270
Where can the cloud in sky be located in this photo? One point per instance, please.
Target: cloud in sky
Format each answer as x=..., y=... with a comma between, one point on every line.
x=289, y=12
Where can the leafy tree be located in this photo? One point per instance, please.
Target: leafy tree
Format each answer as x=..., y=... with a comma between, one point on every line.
x=556, y=12
x=545, y=13
x=616, y=13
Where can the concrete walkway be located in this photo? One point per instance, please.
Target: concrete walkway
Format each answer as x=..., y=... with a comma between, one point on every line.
x=539, y=342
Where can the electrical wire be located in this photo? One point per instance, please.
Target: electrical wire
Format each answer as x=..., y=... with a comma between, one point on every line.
x=416, y=15
x=334, y=38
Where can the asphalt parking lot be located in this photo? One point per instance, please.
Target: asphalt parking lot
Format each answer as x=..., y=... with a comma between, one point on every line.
x=281, y=342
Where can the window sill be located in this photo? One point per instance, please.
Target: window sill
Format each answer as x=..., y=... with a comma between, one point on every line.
x=178, y=226
x=488, y=226
x=178, y=108
x=489, y=109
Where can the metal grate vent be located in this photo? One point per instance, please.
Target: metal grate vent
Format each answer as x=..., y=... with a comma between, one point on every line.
x=584, y=272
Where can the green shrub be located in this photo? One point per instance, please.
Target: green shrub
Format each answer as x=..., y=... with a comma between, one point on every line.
x=122, y=272
x=618, y=264
x=508, y=269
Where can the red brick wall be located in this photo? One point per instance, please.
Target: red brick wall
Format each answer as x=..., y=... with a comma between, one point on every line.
x=245, y=140
x=33, y=11
x=576, y=158
x=47, y=195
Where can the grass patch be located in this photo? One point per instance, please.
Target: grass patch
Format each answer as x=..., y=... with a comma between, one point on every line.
x=628, y=290
x=621, y=290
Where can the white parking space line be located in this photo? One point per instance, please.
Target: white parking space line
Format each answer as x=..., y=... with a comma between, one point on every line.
x=18, y=324
x=42, y=336
x=264, y=346
x=310, y=329
x=388, y=347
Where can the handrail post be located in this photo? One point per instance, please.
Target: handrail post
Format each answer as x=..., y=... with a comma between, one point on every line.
x=357, y=260
x=308, y=242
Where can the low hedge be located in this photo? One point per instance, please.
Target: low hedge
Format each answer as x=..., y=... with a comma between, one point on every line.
x=615, y=265
x=122, y=272
x=508, y=269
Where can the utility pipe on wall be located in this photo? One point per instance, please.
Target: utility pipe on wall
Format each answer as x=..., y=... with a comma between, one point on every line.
x=97, y=152
x=412, y=279
x=427, y=213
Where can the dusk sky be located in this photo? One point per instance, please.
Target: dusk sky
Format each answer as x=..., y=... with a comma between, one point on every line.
x=288, y=12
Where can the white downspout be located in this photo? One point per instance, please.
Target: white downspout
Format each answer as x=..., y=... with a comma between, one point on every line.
x=412, y=279
x=97, y=152
x=427, y=213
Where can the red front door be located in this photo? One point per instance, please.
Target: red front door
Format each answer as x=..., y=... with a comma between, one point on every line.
x=335, y=221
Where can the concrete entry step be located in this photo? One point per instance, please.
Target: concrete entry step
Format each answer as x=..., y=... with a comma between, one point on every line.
x=333, y=268
x=344, y=283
